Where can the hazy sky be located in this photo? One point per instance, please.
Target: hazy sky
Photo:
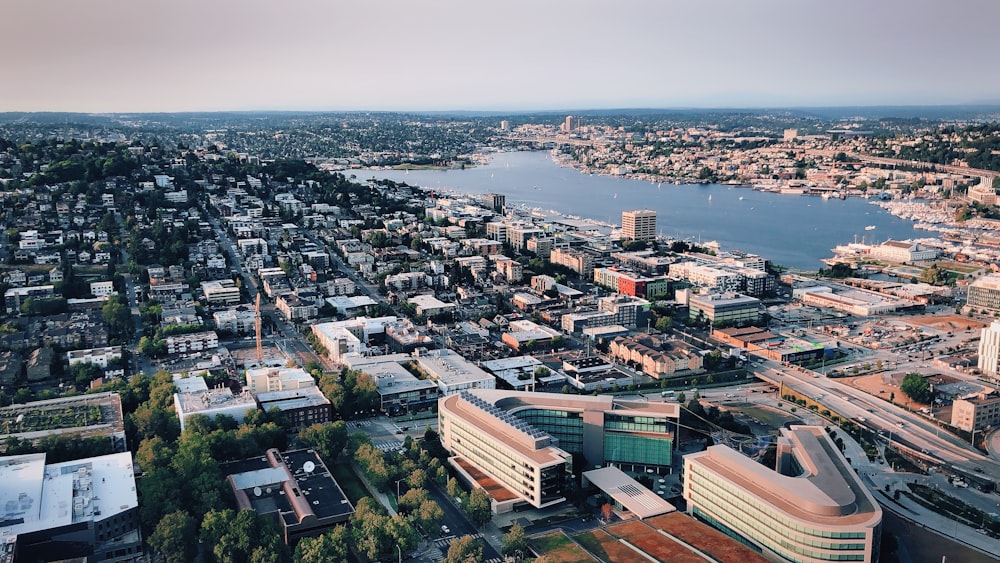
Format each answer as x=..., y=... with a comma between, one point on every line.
x=178, y=55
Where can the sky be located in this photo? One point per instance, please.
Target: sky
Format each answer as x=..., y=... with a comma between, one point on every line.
x=339, y=55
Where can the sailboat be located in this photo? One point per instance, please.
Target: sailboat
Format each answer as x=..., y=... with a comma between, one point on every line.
x=709, y=197
x=870, y=228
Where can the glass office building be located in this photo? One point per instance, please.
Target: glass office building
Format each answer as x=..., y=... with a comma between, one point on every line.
x=525, y=441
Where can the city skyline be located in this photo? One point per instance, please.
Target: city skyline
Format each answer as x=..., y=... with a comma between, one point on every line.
x=102, y=56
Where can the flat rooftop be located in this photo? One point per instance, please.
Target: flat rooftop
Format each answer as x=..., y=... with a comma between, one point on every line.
x=35, y=496
x=628, y=492
x=264, y=483
x=98, y=414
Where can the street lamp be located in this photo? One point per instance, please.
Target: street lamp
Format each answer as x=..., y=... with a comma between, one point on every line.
x=400, y=550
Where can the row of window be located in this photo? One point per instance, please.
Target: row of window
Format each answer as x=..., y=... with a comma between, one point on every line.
x=765, y=528
x=699, y=475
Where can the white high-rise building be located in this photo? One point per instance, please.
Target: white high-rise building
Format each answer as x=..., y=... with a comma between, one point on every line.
x=989, y=350
x=639, y=225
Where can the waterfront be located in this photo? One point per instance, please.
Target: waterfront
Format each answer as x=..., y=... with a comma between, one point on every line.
x=791, y=230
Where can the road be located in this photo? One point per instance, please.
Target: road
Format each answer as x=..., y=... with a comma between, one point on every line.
x=897, y=425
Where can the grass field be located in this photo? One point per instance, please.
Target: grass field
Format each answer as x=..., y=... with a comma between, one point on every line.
x=558, y=548
x=349, y=482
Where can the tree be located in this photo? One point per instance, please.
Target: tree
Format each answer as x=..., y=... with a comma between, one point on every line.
x=242, y=536
x=327, y=439
x=176, y=537
x=478, y=508
x=330, y=546
x=681, y=397
x=117, y=315
x=916, y=387
x=514, y=540
x=465, y=550
x=663, y=324
x=606, y=511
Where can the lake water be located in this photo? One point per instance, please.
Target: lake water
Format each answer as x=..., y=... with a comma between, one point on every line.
x=789, y=230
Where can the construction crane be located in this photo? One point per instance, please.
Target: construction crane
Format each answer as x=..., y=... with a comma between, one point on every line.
x=256, y=323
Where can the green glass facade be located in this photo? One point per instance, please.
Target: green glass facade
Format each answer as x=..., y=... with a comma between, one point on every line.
x=566, y=426
x=638, y=450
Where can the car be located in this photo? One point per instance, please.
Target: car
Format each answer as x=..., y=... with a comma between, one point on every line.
x=977, y=469
x=445, y=530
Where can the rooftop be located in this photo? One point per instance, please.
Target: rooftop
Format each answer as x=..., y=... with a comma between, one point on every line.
x=628, y=492
x=35, y=496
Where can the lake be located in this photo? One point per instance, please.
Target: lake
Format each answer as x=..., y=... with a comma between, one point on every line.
x=790, y=230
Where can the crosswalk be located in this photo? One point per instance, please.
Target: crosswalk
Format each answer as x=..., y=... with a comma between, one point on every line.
x=389, y=446
x=358, y=424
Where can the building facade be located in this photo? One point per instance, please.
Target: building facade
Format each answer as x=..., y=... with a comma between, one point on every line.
x=984, y=294
x=989, y=350
x=976, y=412
x=812, y=508
x=522, y=442
x=639, y=225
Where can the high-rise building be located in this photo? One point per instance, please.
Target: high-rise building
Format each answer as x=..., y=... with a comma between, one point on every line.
x=639, y=225
x=813, y=507
x=572, y=123
x=989, y=350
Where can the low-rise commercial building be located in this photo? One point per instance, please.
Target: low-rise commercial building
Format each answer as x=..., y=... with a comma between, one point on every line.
x=976, y=412
x=399, y=390
x=294, y=486
x=812, y=508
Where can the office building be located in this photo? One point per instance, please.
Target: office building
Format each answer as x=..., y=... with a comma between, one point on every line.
x=984, y=294
x=812, y=508
x=989, y=351
x=639, y=225
x=82, y=510
x=724, y=308
x=518, y=445
x=576, y=260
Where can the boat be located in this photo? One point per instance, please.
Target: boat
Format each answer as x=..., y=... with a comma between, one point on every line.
x=709, y=197
x=870, y=228
x=741, y=198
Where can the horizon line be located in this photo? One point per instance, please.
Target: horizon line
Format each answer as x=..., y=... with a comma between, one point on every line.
x=512, y=111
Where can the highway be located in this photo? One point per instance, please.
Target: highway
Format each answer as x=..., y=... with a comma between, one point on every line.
x=896, y=424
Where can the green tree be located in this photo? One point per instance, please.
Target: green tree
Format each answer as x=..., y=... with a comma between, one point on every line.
x=514, y=540
x=176, y=537
x=237, y=537
x=332, y=545
x=478, y=507
x=118, y=316
x=327, y=439
x=917, y=388
x=465, y=550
